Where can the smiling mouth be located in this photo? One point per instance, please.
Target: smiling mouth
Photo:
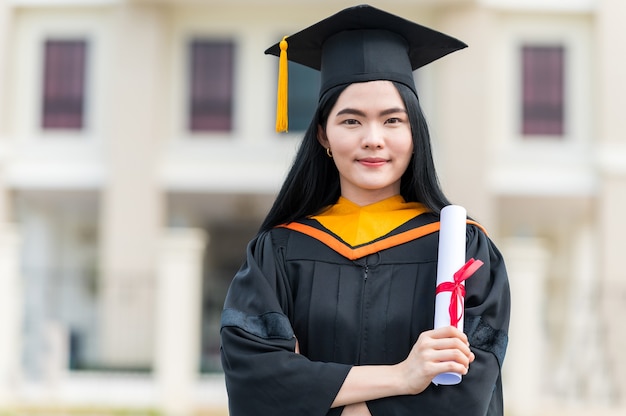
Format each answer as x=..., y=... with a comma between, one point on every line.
x=371, y=161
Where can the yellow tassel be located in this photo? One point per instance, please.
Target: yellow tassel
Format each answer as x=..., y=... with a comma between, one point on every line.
x=283, y=82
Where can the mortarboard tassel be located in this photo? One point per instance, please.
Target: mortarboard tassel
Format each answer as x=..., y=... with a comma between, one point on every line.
x=283, y=82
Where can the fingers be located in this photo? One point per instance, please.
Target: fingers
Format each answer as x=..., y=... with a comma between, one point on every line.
x=436, y=351
x=445, y=349
x=449, y=332
x=444, y=360
x=445, y=338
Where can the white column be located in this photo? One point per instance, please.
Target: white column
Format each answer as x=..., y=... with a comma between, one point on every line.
x=582, y=376
x=10, y=312
x=527, y=265
x=613, y=277
x=178, y=318
x=132, y=205
x=610, y=68
x=6, y=17
x=11, y=298
x=56, y=362
x=460, y=121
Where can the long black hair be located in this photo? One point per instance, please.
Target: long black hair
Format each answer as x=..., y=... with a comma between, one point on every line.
x=313, y=180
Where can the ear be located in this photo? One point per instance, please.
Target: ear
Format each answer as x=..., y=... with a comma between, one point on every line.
x=321, y=137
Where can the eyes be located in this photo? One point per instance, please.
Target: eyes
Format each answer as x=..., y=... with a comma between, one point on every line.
x=388, y=121
x=350, y=122
x=394, y=120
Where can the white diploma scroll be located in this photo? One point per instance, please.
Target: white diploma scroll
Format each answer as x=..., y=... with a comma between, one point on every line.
x=451, y=258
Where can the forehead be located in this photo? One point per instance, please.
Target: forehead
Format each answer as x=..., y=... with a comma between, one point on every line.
x=372, y=94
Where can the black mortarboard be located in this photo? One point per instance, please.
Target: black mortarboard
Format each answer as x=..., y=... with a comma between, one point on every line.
x=360, y=44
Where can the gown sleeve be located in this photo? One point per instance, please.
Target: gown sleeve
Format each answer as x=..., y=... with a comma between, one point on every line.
x=264, y=376
x=487, y=310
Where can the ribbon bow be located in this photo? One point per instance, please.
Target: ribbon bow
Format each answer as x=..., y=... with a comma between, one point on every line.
x=458, y=289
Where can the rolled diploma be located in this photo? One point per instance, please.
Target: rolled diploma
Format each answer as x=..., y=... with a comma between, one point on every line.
x=451, y=258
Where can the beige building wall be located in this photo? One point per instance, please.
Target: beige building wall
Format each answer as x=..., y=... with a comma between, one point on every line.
x=6, y=24
x=611, y=96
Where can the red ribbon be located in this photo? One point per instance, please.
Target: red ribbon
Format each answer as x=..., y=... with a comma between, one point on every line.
x=458, y=289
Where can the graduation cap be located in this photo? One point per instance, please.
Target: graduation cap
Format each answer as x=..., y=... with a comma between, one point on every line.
x=359, y=44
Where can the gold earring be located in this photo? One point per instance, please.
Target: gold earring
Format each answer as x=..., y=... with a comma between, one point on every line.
x=329, y=152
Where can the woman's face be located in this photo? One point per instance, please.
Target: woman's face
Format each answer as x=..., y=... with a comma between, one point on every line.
x=369, y=134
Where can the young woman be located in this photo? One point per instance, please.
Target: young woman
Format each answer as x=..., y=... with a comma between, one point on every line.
x=332, y=311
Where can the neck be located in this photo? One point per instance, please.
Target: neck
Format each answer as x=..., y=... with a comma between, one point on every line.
x=368, y=198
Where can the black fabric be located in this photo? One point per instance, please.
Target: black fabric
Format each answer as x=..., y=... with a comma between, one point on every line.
x=345, y=313
x=482, y=335
x=268, y=325
x=372, y=54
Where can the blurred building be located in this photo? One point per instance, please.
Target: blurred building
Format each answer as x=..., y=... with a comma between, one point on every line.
x=138, y=157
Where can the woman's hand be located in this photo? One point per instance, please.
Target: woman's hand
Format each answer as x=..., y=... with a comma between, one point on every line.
x=358, y=409
x=437, y=351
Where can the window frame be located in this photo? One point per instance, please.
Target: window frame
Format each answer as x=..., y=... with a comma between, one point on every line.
x=190, y=45
x=543, y=163
x=47, y=103
x=573, y=34
x=551, y=97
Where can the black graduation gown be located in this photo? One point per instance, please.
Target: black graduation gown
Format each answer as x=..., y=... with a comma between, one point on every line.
x=343, y=312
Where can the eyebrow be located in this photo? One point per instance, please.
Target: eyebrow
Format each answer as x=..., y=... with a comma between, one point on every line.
x=354, y=111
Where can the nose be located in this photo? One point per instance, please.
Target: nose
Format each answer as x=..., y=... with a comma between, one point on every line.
x=373, y=138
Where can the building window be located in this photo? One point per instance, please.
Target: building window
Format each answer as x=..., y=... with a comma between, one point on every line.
x=64, y=84
x=211, y=85
x=304, y=85
x=543, y=90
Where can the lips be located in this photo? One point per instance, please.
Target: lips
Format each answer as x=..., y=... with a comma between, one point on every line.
x=372, y=161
